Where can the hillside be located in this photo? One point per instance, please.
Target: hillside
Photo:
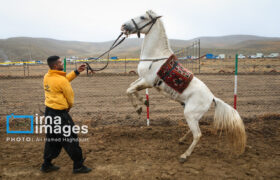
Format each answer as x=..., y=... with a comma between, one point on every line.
x=40, y=48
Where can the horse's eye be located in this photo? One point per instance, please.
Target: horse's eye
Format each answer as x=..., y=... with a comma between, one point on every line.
x=142, y=17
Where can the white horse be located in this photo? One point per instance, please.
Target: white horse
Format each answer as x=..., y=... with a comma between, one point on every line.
x=196, y=98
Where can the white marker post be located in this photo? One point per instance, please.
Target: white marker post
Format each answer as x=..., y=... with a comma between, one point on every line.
x=235, y=81
x=148, y=109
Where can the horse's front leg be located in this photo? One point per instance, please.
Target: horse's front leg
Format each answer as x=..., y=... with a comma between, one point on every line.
x=136, y=86
x=141, y=99
x=136, y=93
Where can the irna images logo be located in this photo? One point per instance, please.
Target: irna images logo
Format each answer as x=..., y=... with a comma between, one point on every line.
x=12, y=116
x=48, y=124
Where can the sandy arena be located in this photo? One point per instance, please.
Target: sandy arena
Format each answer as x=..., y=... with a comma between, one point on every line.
x=119, y=145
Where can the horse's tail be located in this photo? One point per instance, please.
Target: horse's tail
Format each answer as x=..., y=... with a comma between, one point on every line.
x=226, y=118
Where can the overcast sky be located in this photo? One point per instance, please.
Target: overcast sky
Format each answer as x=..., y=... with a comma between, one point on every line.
x=100, y=20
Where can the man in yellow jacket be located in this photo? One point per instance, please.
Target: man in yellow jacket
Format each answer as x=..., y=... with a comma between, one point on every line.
x=59, y=99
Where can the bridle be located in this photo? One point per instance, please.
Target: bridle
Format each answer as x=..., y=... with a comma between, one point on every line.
x=153, y=21
x=116, y=43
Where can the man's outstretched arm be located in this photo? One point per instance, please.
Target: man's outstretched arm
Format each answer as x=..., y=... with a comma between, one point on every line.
x=72, y=75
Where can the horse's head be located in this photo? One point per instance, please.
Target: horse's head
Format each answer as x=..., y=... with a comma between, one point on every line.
x=140, y=24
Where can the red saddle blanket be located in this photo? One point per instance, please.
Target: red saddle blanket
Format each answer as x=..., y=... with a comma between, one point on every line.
x=175, y=75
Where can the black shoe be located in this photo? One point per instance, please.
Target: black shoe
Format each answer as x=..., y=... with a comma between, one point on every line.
x=49, y=168
x=82, y=169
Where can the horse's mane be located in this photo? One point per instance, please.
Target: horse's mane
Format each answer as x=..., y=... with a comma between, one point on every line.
x=163, y=35
x=159, y=21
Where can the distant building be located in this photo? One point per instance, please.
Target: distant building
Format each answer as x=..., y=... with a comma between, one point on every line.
x=19, y=64
x=210, y=56
x=252, y=56
x=259, y=55
x=193, y=57
x=221, y=56
x=273, y=55
x=38, y=62
x=241, y=56
x=114, y=57
x=71, y=59
x=183, y=58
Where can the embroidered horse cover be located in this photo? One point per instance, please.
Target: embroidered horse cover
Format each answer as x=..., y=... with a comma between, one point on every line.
x=175, y=75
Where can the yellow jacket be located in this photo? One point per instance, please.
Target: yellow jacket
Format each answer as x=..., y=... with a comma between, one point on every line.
x=59, y=94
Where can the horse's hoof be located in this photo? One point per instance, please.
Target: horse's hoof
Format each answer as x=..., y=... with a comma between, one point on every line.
x=182, y=160
x=181, y=142
x=139, y=110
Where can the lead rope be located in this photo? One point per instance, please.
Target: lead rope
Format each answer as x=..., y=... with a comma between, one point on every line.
x=114, y=45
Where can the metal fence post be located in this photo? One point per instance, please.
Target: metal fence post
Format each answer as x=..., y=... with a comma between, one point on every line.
x=125, y=65
x=64, y=64
x=235, y=80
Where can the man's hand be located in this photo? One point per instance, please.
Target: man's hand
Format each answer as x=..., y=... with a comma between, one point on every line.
x=81, y=68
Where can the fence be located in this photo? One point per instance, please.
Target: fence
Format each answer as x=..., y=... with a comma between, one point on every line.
x=128, y=66
x=190, y=56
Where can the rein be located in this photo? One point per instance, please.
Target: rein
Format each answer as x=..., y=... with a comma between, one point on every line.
x=154, y=60
x=114, y=45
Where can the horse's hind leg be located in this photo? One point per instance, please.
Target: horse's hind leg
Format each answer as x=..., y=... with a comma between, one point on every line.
x=193, y=112
x=194, y=127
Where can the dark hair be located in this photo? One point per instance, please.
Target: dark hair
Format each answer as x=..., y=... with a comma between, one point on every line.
x=52, y=61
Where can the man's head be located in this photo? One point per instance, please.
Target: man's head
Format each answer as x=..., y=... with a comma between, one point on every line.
x=55, y=63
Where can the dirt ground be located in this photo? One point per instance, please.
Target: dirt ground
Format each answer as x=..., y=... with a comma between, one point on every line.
x=120, y=146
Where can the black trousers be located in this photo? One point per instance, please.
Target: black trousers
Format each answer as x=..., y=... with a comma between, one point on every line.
x=55, y=141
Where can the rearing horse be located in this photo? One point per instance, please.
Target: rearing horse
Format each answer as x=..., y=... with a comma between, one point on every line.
x=197, y=98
